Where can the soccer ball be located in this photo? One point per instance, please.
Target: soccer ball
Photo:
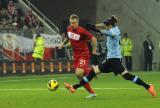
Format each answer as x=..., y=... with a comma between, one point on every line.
x=53, y=85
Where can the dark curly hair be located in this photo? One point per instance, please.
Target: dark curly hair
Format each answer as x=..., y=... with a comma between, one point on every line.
x=111, y=21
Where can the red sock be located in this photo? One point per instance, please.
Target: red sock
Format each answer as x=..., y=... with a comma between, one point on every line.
x=87, y=85
x=88, y=88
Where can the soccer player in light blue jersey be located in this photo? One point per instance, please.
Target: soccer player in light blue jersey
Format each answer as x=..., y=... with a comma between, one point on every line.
x=113, y=62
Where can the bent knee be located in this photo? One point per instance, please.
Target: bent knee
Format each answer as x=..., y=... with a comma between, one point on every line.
x=79, y=72
x=96, y=69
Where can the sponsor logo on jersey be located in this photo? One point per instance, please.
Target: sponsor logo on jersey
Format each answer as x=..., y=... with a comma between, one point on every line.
x=73, y=36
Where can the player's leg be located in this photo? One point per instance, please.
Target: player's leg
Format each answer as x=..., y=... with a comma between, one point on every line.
x=87, y=85
x=104, y=67
x=82, y=70
x=80, y=73
x=135, y=79
x=86, y=79
x=119, y=68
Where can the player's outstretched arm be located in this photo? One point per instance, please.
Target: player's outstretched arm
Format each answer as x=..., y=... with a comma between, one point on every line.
x=67, y=44
x=94, y=45
x=63, y=43
x=100, y=26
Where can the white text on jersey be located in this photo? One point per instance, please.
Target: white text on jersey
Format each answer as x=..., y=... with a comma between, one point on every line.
x=73, y=36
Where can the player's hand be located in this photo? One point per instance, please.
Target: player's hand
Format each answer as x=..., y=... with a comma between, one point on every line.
x=95, y=53
x=60, y=46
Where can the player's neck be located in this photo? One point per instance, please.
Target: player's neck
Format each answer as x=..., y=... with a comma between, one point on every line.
x=75, y=28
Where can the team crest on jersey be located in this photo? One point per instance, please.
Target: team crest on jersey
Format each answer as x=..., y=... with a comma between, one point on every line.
x=73, y=36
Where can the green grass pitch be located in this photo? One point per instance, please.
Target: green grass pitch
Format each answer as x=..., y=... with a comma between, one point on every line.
x=113, y=92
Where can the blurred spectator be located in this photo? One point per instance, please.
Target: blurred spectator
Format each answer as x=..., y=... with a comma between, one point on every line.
x=11, y=8
x=127, y=51
x=148, y=53
x=29, y=19
x=12, y=19
x=38, y=26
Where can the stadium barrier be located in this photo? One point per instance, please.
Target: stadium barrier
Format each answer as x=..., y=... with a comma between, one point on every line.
x=35, y=67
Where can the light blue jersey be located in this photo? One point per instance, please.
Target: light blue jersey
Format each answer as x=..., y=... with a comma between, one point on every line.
x=113, y=42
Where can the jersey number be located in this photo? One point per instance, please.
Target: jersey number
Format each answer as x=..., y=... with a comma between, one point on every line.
x=82, y=62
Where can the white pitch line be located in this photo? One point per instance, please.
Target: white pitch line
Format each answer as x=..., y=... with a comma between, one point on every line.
x=42, y=89
x=32, y=79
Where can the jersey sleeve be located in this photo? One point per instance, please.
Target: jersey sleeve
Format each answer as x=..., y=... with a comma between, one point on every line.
x=107, y=32
x=87, y=34
x=111, y=32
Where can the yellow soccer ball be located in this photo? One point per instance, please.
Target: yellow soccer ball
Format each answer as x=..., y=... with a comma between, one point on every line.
x=53, y=85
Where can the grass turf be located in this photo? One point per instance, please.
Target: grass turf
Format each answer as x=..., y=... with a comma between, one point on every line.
x=113, y=92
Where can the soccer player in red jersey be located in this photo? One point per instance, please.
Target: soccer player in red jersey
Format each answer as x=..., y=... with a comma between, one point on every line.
x=78, y=38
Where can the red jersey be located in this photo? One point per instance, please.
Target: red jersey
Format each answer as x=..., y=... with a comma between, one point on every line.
x=78, y=39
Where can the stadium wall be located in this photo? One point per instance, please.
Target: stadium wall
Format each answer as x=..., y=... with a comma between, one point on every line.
x=138, y=18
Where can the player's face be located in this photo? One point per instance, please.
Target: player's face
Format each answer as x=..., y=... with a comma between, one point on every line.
x=74, y=23
x=109, y=27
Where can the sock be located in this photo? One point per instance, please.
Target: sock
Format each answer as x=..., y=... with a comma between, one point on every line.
x=76, y=86
x=87, y=85
x=88, y=88
x=85, y=79
x=89, y=77
x=142, y=83
x=136, y=80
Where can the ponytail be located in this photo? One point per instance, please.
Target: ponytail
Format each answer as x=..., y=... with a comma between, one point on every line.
x=113, y=20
